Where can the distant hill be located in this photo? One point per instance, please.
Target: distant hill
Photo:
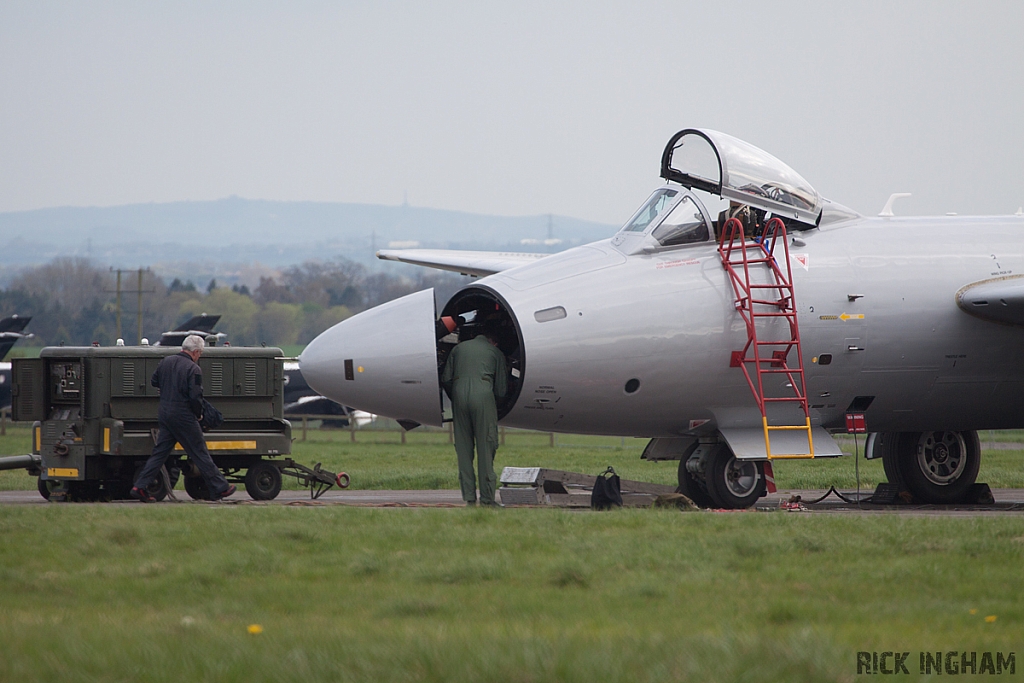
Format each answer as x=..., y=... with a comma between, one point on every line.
x=274, y=233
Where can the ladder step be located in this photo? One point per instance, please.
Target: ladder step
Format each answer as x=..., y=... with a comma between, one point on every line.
x=755, y=260
x=774, y=370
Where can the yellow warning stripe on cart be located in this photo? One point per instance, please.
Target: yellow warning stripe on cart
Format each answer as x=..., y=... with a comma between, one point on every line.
x=62, y=472
x=225, y=446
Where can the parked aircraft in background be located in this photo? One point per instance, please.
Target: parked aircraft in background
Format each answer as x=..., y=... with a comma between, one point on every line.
x=201, y=325
x=11, y=330
x=737, y=318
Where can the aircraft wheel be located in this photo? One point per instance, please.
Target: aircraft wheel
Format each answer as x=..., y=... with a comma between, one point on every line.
x=938, y=467
x=196, y=488
x=732, y=483
x=263, y=481
x=693, y=488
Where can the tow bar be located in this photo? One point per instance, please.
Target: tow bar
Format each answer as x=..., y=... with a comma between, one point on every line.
x=316, y=479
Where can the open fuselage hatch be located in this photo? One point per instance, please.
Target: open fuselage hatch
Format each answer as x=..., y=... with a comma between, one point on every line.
x=483, y=309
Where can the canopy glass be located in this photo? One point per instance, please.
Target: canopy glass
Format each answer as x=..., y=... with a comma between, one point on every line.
x=721, y=164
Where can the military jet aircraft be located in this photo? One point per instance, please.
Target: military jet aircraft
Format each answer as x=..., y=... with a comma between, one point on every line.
x=737, y=318
x=201, y=325
x=12, y=329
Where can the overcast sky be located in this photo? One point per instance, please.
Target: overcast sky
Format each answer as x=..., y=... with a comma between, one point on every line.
x=509, y=108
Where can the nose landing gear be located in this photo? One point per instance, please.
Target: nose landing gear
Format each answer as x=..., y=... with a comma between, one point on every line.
x=712, y=477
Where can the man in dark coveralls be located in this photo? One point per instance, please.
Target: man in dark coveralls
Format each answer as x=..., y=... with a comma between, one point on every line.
x=474, y=377
x=180, y=382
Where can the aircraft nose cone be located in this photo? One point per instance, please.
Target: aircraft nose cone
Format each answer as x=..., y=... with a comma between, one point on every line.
x=383, y=360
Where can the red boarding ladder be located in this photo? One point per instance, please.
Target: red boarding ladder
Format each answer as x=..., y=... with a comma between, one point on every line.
x=764, y=302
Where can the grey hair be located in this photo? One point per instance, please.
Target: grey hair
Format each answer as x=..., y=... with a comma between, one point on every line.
x=193, y=342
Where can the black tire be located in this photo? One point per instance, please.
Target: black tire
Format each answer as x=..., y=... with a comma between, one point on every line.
x=196, y=488
x=43, y=485
x=732, y=483
x=691, y=487
x=263, y=481
x=885, y=445
x=938, y=467
x=156, y=489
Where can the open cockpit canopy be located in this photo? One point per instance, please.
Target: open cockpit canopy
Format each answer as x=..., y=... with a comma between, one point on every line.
x=735, y=170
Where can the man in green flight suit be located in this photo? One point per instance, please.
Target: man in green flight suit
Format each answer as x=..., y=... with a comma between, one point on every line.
x=475, y=376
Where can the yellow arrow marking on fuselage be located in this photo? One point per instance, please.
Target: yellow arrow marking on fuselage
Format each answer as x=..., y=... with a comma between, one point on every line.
x=854, y=316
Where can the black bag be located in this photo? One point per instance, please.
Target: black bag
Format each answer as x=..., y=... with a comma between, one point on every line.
x=212, y=418
x=607, y=491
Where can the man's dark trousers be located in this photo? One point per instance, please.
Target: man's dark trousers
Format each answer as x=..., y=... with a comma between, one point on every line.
x=182, y=427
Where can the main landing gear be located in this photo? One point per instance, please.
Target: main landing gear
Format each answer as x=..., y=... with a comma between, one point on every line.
x=935, y=467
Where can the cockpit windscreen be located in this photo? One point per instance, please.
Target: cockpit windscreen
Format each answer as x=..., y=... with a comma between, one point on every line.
x=684, y=224
x=659, y=202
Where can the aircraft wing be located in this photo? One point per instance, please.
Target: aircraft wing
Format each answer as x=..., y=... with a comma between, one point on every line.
x=479, y=263
x=11, y=330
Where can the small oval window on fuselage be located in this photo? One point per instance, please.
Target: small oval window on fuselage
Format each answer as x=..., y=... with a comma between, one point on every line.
x=549, y=314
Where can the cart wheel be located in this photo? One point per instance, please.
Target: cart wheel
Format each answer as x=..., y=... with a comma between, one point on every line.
x=156, y=487
x=342, y=480
x=196, y=488
x=44, y=488
x=263, y=481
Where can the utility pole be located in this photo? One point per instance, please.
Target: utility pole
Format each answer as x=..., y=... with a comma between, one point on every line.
x=118, y=309
x=139, y=290
x=117, y=300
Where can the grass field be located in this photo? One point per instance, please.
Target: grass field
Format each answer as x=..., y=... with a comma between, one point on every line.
x=125, y=592
x=427, y=461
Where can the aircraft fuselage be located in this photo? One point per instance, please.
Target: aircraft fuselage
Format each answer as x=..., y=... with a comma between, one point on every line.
x=877, y=295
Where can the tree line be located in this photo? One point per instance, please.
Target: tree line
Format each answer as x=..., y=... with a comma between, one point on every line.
x=73, y=301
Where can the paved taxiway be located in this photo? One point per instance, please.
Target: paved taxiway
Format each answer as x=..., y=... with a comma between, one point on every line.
x=1008, y=501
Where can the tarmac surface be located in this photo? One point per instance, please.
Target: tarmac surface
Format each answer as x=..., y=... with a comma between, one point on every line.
x=1007, y=502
